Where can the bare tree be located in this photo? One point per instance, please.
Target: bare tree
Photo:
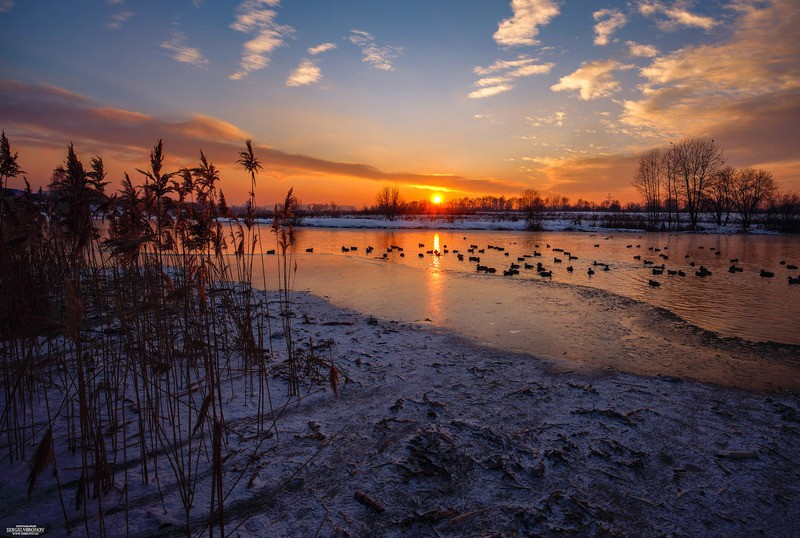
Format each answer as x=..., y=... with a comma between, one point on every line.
x=719, y=194
x=390, y=203
x=696, y=161
x=672, y=186
x=648, y=181
x=783, y=213
x=532, y=206
x=751, y=187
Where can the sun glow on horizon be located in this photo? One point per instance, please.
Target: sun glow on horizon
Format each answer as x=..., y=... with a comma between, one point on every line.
x=437, y=199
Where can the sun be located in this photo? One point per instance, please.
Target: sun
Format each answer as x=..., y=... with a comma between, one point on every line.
x=437, y=199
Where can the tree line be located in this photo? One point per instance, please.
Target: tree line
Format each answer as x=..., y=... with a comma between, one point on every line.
x=690, y=177
x=390, y=203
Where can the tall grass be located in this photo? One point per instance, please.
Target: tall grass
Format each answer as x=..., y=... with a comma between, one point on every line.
x=129, y=322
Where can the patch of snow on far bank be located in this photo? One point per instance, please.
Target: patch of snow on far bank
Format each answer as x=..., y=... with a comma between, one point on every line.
x=575, y=222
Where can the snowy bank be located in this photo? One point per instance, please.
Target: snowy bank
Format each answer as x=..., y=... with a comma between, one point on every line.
x=574, y=222
x=432, y=435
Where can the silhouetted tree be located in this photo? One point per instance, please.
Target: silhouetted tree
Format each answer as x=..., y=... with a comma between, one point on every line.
x=751, y=187
x=783, y=213
x=533, y=207
x=648, y=180
x=695, y=162
x=390, y=203
x=719, y=194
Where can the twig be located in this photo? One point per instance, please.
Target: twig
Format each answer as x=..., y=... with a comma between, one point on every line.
x=366, y=500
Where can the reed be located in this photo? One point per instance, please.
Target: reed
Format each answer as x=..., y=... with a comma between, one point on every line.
x=129, y=323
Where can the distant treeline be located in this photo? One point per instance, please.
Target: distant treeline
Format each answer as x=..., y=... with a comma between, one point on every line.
x=457, y=206
x=780, y=213
x=680, y=181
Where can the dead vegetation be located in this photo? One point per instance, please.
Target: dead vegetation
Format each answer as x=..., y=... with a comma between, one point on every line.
x=129, y=326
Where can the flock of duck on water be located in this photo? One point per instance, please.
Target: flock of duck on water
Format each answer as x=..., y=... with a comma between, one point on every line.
x=528, y=261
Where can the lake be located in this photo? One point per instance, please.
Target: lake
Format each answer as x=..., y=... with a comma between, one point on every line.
x=567, y=315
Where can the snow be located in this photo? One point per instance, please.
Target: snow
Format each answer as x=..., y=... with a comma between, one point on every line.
x=435, y=435
x=585, y=222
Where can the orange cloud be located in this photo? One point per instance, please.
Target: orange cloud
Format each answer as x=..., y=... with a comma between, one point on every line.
x=592, y=79
x=41, y=119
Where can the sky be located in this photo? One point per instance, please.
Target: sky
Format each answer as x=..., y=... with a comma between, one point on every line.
x=456, y=97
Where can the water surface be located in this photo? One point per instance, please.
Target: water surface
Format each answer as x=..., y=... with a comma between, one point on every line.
x=742, y=304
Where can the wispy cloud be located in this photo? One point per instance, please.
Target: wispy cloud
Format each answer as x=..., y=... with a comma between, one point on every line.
x=117, y=19
x=673, y=17
x=305, y=74
x=592, y=79
x=490, y=91
x=608, y=22
x=319, y=49
x=523, y=27
x=254, y=17
x=6, y=6
x=378, y=57
x=640, y=50
x=503, y=65
x=500, y=75
x=184, y=53
x=556, y=119
x=115, y=2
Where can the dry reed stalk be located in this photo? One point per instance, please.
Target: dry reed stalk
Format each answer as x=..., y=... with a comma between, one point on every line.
x=166, y=325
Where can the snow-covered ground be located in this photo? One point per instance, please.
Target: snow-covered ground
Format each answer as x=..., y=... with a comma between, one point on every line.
x=562, y=221
x=434, y=435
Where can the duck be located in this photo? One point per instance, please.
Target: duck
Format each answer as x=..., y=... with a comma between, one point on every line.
x=767, y=274
x=793, y=280
x=653, y=283
x=703, y=271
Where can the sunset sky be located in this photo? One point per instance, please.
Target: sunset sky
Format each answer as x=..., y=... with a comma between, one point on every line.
x=340, y=97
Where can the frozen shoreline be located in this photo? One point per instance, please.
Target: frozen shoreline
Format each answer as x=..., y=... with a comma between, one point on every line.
x=562, y=223
x=434, y=435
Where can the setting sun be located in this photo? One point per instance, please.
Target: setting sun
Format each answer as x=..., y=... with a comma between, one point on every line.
x=436, y=199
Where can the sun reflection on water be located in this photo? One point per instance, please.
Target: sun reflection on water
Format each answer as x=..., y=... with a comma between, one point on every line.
x=435, y=282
